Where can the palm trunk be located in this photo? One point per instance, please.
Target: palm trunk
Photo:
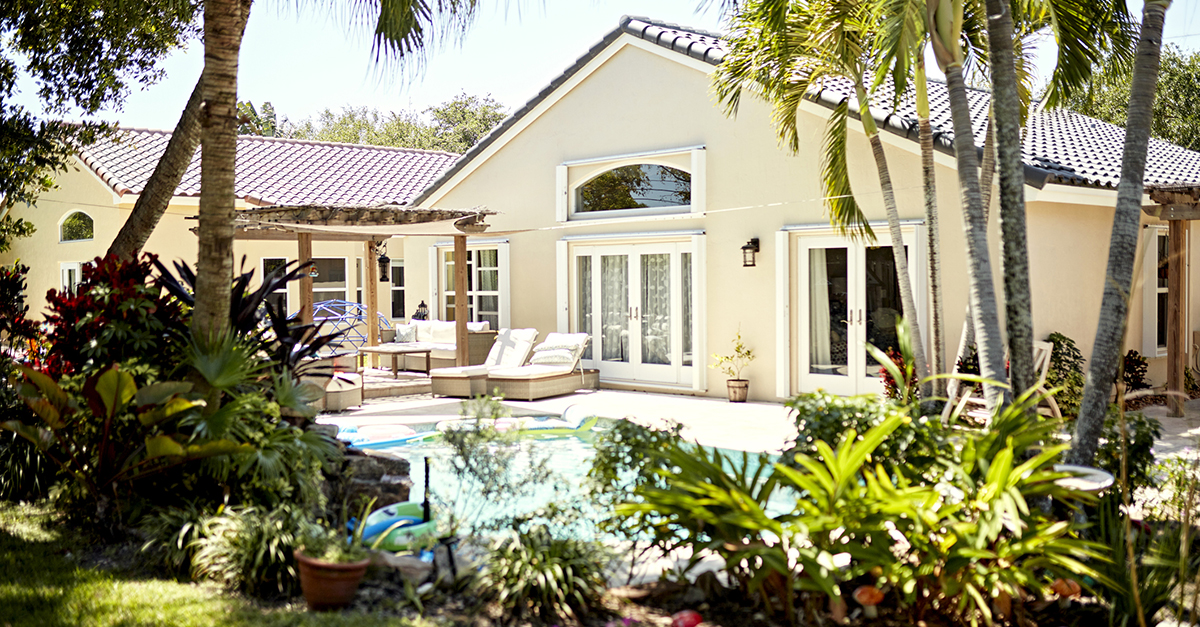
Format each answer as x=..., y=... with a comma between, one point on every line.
x=218, y=157
x=987, y=172
x=938, y=362
x=1122, y=249
x=979, y=265
x=152, y=202
x=1006, y=109
x=156, y=196
x=899, y=256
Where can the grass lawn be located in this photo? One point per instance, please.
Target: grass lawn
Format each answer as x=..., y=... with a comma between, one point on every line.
x=42, y=586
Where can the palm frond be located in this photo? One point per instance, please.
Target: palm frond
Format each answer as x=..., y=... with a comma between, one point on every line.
x=1087, y=32
x=844, y=213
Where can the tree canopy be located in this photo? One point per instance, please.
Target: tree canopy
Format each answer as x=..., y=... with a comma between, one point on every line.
x=1176, y=102
x=82, y=56
x=453, y=126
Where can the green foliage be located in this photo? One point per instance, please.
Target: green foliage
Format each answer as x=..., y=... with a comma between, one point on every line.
x=80, y=56
x=13, y=229
x=732, y=364
x=629, y=457
x=253, y=122
x=1133, y=372
x=1176, y=102
x=559, y=577
x=1141, y=432
x=331, y=544
x=1066, y=373
x=25, y=474
x=915, y=447
x=1156, y=551
x=249, y=549
x=491, y=468
x=456, y=125
x=173, y=534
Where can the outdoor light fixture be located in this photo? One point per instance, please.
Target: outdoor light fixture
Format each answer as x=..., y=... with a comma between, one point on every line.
x=422, y=312
x=748, y=253
x=385, y=264
x=312, y=271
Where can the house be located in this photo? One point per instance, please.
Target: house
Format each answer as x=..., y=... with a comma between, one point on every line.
x=637, y=211
x=78, y=220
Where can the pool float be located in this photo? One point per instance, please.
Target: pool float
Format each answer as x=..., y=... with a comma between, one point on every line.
x=424, y=436
x=573, y=421
x=399, y=527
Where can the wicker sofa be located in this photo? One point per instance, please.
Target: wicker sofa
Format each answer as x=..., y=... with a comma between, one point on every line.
x=439, y=336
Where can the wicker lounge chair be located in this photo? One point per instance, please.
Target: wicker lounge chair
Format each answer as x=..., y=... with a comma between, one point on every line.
x=510, y=350
x=553, y=369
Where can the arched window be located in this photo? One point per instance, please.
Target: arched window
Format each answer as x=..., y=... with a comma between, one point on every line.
x=639, y=186
x=77, y=226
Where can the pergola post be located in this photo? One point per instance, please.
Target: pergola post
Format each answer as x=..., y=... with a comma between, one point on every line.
x=370, y=293
x=1175, y=361
x=306, y=283
x=460, y=300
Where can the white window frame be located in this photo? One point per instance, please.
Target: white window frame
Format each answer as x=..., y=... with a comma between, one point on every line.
x=584, y=170
x=64, y=219
x=346, y=271
x=69, y=266
x=397, y=266
x=437, y=276
x=287, y=297
x=1150, y=291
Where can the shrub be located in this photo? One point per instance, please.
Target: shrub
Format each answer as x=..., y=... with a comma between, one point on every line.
x=1141, y=432
x=1066, y=372
x=249, y=549
x=891, y=391
x=559, y=577
x=629, y=456
x=1134, y=371
x=916, y=445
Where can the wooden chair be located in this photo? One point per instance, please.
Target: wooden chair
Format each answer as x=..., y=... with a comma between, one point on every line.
x=1042, y=352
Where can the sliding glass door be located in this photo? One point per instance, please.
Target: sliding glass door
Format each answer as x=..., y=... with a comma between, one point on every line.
x=635, y=301
x=849, y=297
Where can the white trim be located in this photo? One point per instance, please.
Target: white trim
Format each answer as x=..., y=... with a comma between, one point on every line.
x=783, y=315
x=562, y=197
x=434, y=290
x=586, y=237
x=699, y=180
x=699, y=313
x=596, y=166
x=818, y=227
x=1150, y=347
x=64, y=219
x=286, y=291
x=63, y=268
x=504, y=283
x=624, y=41
x=632, y=156
x=562, y=288
x=473, y=243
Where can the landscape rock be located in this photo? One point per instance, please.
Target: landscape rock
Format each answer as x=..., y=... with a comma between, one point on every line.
x=410, y=568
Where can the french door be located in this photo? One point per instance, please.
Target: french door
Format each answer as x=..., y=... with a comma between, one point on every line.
x=849, y=297
x=636, y=302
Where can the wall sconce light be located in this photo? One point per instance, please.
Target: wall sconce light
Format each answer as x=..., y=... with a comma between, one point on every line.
x=422, y=312
x=312, y=270
x=385, y=264
x=748, y=252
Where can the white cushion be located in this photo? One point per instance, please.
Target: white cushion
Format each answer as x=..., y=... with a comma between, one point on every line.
x=406, y=333
x=460, y=372
x=476, y=327
x=511, y=348
x=554, y=356
x=557, y=341
x=530, y=372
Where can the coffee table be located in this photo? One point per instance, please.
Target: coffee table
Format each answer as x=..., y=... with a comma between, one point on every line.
x=396, y=350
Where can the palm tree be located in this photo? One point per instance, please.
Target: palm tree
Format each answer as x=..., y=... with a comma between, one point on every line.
x=1122, y=250
x=782, y=51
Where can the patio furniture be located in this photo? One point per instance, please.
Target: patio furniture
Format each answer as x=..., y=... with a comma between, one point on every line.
x=510, y=350
x=440, y=338
x=553, y=370
x=396, y=351
x=1042, y=352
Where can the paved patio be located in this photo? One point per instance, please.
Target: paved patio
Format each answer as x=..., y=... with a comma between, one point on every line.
x=711, y=421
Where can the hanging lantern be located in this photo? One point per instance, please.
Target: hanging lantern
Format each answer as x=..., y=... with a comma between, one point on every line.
x=385, y=264
x=748, y=253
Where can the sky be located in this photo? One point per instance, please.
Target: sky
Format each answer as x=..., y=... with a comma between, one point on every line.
x=304, y=61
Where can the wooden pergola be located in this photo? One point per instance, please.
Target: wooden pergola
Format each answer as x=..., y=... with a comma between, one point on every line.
x=1177, y=205
x=370, y=225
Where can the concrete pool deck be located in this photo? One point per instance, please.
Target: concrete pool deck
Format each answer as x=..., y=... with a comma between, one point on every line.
x=753, y=426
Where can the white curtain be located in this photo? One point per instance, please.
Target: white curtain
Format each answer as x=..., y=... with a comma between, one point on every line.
x=818, y=323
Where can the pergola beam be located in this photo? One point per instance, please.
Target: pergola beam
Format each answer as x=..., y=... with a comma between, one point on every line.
x=462, y=355
x=304, y=254
x=1177, y=205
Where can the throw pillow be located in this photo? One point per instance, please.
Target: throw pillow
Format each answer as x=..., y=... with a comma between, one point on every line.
x=406, y=333
x=558, y=356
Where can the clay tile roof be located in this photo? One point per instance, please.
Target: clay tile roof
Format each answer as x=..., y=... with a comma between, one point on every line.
x=1060, y=146
x=280, y=171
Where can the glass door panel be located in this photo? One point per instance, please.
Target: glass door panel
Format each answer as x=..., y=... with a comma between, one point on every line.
x=614, y=308
x=882, y=303
x=655, y=315
x=828, y=304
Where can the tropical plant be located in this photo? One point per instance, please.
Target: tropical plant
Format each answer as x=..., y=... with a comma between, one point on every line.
x=629, y=456
x=1135, y=599
x=249, y=549
x=1122, y=251
x=558, y=577
x=1133, y=371
x=1141, y=433
x=173, y=535
x=1065, y=373
x=12, y=229
x=732, y=364
x=782, y=51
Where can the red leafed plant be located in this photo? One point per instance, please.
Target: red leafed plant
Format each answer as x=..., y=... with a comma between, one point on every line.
x=117, y=313
x=890, y=389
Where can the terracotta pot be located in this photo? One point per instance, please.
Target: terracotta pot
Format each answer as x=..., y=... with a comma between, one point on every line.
x=739, y=389
x=329, y=586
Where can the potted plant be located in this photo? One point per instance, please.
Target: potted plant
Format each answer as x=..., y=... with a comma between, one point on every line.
x=732, y=365
x=331, y=566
